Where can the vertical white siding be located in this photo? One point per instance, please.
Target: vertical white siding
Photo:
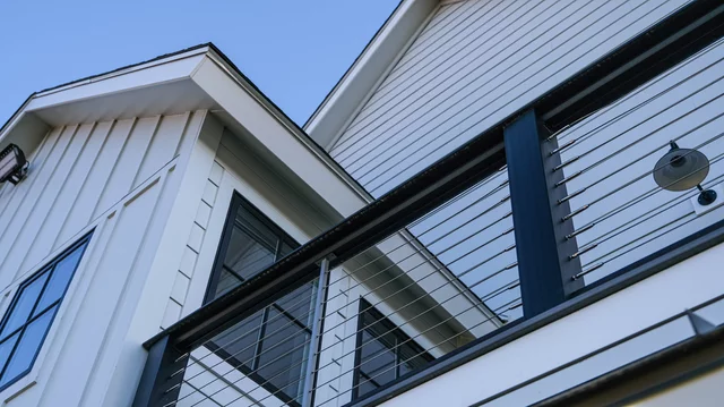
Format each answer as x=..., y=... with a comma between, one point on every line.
x=477, y=62
x=120, y=179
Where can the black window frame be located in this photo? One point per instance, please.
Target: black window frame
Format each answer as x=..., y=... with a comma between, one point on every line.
x=389, y=328
x=49, y=269
x=239, y=202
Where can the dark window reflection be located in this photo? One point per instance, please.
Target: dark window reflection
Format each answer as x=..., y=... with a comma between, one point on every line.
x=272, y=345
x=385, y=352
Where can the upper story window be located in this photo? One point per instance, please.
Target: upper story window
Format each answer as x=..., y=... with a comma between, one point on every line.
x=384, y=352
x=31, y=313
x=250, y=244
x=270, y=346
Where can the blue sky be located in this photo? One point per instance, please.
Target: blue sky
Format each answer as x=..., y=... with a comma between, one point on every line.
x=294, y=50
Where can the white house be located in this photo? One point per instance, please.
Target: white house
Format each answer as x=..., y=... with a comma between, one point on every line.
x=496, y=205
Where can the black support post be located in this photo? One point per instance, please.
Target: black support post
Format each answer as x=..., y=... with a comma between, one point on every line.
x=544, y=263
x=162, y=376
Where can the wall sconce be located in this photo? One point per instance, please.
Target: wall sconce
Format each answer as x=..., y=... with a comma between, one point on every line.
x=681, y=169
x=13, y=165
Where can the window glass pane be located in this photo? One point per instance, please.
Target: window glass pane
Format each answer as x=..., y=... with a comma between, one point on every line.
x=29, y=345
x=378, y=360
x=299, y=302
x=20, y=311
x=7, y=347
x=365, y=386
x=238, y=344
x=246, y=256
x=284, y=250
x=412, y=357
x=59, y=280
x=282, y=354
x=256, y=228
x=386, y=352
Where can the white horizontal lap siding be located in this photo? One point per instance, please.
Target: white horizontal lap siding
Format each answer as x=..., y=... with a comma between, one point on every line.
x=119, y=178
x=617, y=150
x=477, y=62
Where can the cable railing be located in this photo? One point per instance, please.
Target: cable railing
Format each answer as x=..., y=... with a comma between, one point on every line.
x=466, y=251
x=431, y=287
x=619, y=212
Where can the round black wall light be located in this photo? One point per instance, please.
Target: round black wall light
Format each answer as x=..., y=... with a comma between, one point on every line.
x=684, y=168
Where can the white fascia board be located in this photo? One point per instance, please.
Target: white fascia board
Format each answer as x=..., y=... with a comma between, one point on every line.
x=27, y=125
x=124, y=71
x=370, y=68
x=135, y=78
x=271, y=129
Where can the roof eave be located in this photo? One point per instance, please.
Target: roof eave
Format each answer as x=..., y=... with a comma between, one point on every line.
x=368, y=70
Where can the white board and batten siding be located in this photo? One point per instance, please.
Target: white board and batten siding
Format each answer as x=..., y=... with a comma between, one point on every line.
x=475, y=63
x=119, y=179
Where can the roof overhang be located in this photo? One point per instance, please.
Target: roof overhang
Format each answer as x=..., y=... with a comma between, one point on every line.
x=371, y=67
x=200, y=78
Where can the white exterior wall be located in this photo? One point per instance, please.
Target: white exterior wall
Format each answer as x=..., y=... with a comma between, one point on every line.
x=475, y=63
x=119, y=178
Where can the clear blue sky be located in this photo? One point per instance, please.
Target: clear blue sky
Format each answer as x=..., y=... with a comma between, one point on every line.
x=294, y=50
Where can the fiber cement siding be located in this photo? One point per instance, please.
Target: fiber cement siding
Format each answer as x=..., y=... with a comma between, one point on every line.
x=475, y=63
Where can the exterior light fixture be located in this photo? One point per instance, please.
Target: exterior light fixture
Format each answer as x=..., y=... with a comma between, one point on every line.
x=684, y=168
x=13, y=165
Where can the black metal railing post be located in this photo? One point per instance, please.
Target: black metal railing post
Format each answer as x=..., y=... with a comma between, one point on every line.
x=162, y=375
x=544, y=252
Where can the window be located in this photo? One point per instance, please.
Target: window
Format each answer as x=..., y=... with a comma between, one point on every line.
x=270, y=346
x=31, y=313
x=250, y=244
x=384, y=352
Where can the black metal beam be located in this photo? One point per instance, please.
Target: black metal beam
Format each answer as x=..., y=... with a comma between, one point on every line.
x=159, y=385
x=544, y=265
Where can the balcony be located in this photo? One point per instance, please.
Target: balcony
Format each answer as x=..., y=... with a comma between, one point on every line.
x=539, y=217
